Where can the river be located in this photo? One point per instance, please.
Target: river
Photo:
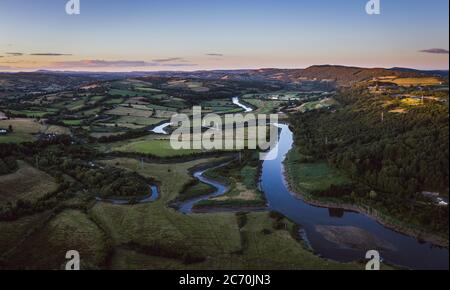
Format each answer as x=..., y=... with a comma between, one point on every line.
x=332, y=233
x=238, y=103
x=161, y=129
x=152, y=197
x=398, y=249
x=187, y=206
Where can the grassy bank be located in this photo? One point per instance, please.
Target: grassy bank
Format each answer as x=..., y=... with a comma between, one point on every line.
x=311, y=180
x=154, y=236
x=314, y=176
x=242, y=177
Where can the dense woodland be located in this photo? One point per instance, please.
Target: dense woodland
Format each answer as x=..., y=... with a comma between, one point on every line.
x=69, y=165
x=7, y=165
x=396, y=155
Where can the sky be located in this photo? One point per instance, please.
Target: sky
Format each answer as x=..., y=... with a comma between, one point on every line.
x=149, y=35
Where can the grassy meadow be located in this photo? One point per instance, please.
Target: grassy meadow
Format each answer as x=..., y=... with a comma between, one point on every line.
x=311, y=177
x=27, y=183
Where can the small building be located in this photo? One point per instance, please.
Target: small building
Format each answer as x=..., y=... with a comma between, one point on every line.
x=441, y=201
x=436, y=198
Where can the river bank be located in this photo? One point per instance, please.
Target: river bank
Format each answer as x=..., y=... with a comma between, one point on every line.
x=374, y=214
x=317, y=219
x=382, y=218
x=152, y=197
x=236, y=209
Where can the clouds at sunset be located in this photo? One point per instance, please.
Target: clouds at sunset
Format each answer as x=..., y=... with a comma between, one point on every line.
x=233, y=34
x=112, y=64
x=436, y=51
x=50, y=54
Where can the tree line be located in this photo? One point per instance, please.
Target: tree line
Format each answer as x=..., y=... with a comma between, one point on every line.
x=396, y=155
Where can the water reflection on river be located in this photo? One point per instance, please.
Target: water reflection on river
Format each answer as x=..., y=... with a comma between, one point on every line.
x=343, y=235
x=333, y=233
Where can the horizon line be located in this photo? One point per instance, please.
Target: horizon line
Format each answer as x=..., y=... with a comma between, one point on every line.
x=219, y=69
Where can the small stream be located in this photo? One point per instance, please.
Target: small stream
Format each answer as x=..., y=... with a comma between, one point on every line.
x=187, y=206
x=152, y=197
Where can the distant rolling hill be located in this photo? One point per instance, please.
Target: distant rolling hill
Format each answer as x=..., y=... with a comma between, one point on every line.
x=437, y=73
x=342, y=75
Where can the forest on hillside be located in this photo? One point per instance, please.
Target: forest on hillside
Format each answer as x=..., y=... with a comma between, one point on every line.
x=398, y=155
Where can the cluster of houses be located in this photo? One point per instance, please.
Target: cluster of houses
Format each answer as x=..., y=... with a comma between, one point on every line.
x=382, y=88
x=298, y=96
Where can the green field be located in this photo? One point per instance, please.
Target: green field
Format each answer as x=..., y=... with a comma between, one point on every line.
x=126, y=111
x=413, y=81
x=148, y=90
x=161, y=148
x=14, y=232
x=131, y=122
x=312, y=177
x=27, y=183
x=216, y=237
x=316, y=105
x=242, y=179
x=72, y=122
x=264, y=106
x=91, y=112
x=138, y=121
x=95, y=99
x=175, y=103
x=22, y=125
x=85, y=236
x=25, y=129
x=172, y=176
x=16, y=138
x=30, y=113
x=76, y=105
x=128, y=93
x=114, y=101
x=199, y=189
x=162, y=108
x=220, y=107
x=106, y=134
x=153, y=236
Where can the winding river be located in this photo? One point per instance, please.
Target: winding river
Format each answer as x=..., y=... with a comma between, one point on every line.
x=152, y=197
x=221, y=189
x=333, y=233
x=161, y=129
x=237, y=102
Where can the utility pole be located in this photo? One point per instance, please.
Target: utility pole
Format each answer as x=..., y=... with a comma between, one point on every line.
x=382, y=117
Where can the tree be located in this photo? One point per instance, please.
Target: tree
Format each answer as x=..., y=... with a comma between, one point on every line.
x=373, y=195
